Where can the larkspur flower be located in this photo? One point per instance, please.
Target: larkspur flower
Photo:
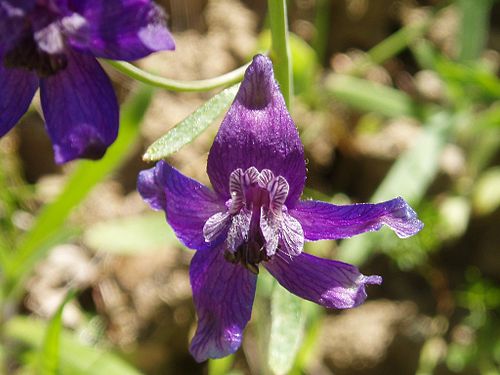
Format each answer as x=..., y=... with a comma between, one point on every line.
x=53, y=44
x=254, y=217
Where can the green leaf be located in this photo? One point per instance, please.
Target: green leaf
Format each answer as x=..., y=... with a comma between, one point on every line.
x=192, y=126
x=130, y=235
x=372, y=97
x=409, y=177
x=76, y=358
x=395, y=43
x=50, y=351
x=287, y=328
x=52, y=218
x=474, y=27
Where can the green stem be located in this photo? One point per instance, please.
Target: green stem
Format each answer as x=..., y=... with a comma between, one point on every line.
x=174, y=85
x=280, y=50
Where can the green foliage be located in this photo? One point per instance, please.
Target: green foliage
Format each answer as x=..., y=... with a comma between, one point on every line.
x=77, y=358
x=192, y=126
x=49, y=226
x=51, y=347
x=410, y=176
x=476, y=339
x=287, y=329
x=369, y=96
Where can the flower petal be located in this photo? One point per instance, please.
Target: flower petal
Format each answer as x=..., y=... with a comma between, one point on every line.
x=80, y=109
x=17, y=87
x=118, y=29
x=270, y=225
x=238, y=231
x=187, y=203
x=223, y=294
x=327, y=282
x=291, y=235
x=150, y=187
x=12, y=23
x=216, y=225
x=325, y=221
x=258, y=131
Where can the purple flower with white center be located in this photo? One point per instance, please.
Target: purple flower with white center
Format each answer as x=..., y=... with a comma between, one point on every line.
x=254, y=217
x=53, y=44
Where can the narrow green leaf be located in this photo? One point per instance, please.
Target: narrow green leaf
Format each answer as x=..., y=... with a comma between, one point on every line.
x=322, y=19
x=308, y=349
x=192, y=126
x=409, y=177
x=50, y=351
x=373, y=97
x=50, y=221
x=130, y=235
x=287, y=328
x=76, y=358
x=474, y=27
x=395, y=43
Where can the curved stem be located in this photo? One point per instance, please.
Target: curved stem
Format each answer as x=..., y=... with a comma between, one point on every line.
x=174, y=85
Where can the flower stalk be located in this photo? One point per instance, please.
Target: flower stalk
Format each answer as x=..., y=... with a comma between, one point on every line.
x=175, y=85
x=280, y=48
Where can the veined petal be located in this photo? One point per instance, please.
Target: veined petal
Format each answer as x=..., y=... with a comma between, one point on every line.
x=327, y=282
x=80, y=109
x=270, y=225
x=258, y=132
x=291, y=235
x=223, y=295
x=216, y=225
x=17, y=87
x=238, y=231
x=118, y=29
x=187, y=203
x=324, y=221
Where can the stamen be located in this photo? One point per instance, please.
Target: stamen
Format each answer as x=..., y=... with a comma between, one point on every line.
x=257, y=222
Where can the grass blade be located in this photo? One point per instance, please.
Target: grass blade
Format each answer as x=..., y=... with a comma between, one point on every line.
x=76, y=358
x=372, y=97
x=50, y=351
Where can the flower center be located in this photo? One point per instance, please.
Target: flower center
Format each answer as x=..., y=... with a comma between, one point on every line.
x=41, y=45
x=256, y=221
x=26, y=54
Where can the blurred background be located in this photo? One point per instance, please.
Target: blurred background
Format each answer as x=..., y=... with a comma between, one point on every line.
x=392, y=98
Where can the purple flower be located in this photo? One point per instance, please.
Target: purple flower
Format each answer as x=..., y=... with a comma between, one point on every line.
x=254, y=217
x=52, y=44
